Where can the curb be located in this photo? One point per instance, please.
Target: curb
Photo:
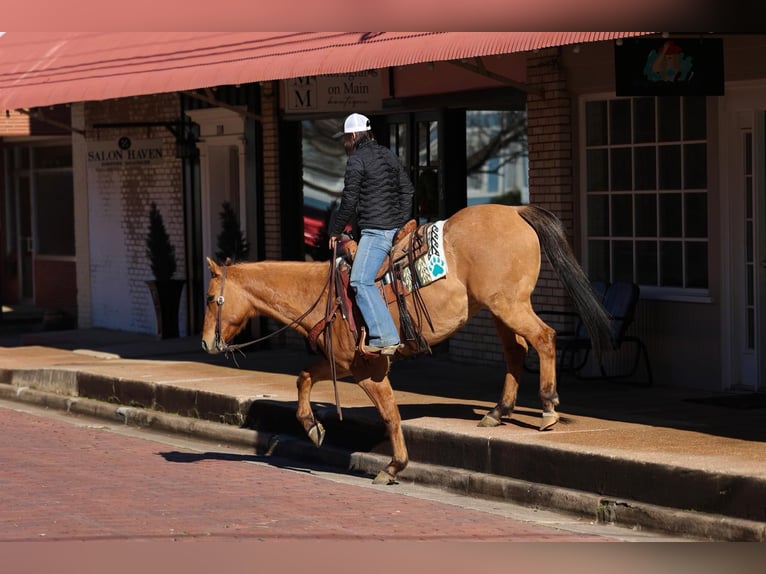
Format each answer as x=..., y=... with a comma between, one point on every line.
x=602, y=509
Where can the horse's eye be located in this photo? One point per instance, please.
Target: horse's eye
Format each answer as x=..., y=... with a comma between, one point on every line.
x=210, y=298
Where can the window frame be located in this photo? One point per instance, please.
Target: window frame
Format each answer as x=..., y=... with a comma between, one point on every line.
x=656, y=291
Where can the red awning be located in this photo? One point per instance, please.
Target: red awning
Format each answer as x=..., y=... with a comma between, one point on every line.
x=46, y=68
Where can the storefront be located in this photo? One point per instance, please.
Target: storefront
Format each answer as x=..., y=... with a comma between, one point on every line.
x=660, y=189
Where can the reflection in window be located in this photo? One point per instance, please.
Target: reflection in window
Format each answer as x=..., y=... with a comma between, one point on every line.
x=324, y=163
x=496, y=157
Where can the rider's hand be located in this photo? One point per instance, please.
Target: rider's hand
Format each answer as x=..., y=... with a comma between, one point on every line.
x=333, y=241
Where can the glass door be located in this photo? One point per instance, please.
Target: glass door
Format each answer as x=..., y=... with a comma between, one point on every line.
x=414, y=138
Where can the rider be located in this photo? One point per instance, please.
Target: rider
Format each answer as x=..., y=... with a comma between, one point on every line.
x=378, y=190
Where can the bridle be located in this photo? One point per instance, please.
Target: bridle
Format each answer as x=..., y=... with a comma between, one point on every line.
x=225, y=348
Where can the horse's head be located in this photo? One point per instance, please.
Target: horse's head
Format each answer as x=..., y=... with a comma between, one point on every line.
x=227, y=309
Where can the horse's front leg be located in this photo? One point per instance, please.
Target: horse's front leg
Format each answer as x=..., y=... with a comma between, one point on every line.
x=514, y=351
x=372, y=376
x=305, y=415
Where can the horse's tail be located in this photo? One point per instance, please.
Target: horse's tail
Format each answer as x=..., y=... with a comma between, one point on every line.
x=550, y=232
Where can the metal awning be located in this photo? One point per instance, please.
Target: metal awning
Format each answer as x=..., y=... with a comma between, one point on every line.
x=47, y=68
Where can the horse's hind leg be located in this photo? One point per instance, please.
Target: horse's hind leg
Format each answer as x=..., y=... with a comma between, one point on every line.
x=520, y=318
x=514, y=350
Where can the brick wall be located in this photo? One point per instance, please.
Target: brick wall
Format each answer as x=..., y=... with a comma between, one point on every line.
x=119, y=200
x=14, y=123
x=271, y=191
x=551, y=177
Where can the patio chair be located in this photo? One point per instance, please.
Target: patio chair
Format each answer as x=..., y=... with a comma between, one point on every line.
x=620, y=300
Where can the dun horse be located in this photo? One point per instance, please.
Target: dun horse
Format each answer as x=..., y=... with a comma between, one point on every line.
x=493, y=255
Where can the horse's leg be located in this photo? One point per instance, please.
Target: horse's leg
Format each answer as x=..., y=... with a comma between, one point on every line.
x=372, y=376
x=306, y=380
x=514, y=350
x=520, y=317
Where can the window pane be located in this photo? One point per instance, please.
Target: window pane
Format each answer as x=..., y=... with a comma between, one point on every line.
x=695, y=166
x=695, y=214
x=646, y=215
x=695, y=118
x=619, y=127
x=496, y=157
x=622, y=261
x=670, y=215
x=670, y=166
x=646, y=262
x=598, y=215
x=643, y=120
x=622, y=215
x=598, y=260
x=671, y=264
x=622, y=169
x=696, y=265
x=53, y=157
x=428, y=144
x=598, y=170
x=595, y=123
x=55, y=213
x=645, y=159
x=669, y=118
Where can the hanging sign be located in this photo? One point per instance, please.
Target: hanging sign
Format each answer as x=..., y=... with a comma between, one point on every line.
x=123, y=151
x=333, y=92
x=669, y=67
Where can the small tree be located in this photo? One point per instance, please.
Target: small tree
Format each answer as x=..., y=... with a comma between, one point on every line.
x=231, y=242
x=159, y=250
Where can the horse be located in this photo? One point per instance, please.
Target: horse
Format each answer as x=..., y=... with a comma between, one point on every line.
x=493, y=255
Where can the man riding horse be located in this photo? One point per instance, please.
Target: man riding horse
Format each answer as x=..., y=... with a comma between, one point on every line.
x=378, y=190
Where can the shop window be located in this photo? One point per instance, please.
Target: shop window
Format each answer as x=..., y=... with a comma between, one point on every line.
x=496, y=157
x=324, y=165
x=645, y=183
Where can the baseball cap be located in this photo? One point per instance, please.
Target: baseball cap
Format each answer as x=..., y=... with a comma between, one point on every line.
x=355, y=123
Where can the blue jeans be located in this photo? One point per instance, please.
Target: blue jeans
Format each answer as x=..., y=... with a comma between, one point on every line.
x=374, y=246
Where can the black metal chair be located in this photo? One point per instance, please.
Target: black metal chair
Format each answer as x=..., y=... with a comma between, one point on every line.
x=620, y=300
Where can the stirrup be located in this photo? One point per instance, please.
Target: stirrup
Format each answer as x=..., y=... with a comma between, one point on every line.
x=387, y=350
x=374, y=350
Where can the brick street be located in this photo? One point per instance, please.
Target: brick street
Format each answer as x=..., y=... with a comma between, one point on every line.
x=87, y=481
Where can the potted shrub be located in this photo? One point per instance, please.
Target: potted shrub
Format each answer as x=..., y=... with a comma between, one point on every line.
x=231, y=242
x=165, y=290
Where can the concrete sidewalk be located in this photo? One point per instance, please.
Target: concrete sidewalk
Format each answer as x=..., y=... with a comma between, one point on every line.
x=672, y=460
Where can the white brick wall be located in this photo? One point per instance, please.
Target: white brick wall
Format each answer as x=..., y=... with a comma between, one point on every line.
x=119, y=200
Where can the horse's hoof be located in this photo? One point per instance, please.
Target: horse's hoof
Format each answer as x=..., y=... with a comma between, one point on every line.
x=385, y=478
x=316, y=434
x=549, y=419
x=489, y=421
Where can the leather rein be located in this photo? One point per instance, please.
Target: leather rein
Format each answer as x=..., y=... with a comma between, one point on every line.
x=332, y=305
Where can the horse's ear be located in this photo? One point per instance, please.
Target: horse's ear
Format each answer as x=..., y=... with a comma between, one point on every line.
x=214, y=270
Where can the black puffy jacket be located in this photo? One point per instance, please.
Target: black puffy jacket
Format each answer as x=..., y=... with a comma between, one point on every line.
x=376, y=188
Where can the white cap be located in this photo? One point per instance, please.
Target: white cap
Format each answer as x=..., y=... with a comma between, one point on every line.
x=356, y=123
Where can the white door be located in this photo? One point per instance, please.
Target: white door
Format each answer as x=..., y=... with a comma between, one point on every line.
x=744, y=194
x=222, y=170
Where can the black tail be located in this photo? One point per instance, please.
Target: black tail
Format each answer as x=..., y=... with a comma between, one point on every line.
x=553, y=239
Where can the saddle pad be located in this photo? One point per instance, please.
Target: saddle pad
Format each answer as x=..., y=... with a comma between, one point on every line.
x=432, y=265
